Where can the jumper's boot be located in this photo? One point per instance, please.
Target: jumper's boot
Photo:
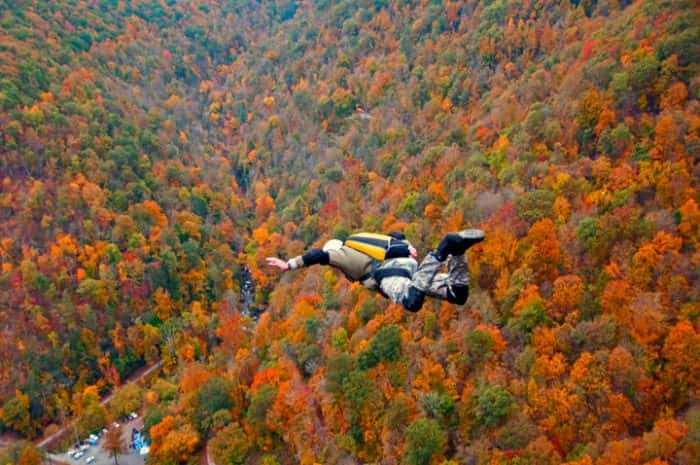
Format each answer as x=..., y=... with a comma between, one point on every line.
x=458, y=242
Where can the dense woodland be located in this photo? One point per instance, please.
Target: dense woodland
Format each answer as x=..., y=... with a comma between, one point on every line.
x=152, y=150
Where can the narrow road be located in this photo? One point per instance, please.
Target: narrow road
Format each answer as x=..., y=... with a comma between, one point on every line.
x=138, y=376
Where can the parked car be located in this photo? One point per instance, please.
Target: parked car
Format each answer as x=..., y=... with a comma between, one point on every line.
x=133, y=416
x=78, y=454
x=116, y=424
x=90, y=459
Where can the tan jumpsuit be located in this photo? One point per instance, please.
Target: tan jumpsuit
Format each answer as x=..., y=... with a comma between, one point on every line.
x=425, y=277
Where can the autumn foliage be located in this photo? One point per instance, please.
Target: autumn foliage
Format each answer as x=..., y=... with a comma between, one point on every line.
x=153, y=153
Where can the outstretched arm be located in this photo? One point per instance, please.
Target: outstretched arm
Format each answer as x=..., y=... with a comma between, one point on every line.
x=312, y=257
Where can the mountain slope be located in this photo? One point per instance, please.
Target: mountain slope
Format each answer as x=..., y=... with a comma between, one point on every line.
x=152, y=148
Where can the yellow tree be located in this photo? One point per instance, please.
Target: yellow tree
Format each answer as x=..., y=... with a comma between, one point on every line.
x=87, y=408
x=174, y=440
x=544, y=255
x=617, y=299
x=29, y=456
x=681, y=350
x=566, y=293
x=689, y=226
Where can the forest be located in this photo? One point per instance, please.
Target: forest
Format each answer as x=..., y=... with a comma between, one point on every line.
x=154, y=152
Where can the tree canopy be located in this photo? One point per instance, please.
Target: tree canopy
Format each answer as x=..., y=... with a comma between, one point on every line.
x=153, y=153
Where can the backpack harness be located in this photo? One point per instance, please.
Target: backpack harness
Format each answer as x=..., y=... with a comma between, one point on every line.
x=380, y=247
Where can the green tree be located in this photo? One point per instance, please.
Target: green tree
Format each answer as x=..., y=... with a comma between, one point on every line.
x=259, y=405
x=165, y=390
x=220, y=419
x=358, y=391
x=152, y=417
x=9, y=94
x=479, y=346
x=684, y=45
x=384, y=346
x=127, y=399
x=215, y=395
x=338, y=368
x=535, y=205
x=425, y=439
x=586, y=233
x=269, y=459
x=387, y=343
x=492, y=406
x=93, y=417
x=441, y=407
x=536, y=120
x=531, y=316
x=644, y=73
x=15, y=415
x=230, y=445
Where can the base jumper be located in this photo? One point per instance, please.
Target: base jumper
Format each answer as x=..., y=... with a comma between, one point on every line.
x=395, y=273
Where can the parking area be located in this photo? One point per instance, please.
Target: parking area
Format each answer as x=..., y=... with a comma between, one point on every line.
x=95, y=454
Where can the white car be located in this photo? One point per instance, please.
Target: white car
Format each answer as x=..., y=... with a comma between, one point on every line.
x=116, y=424
x=78, y=454
x=90, y=459
x=133, y=416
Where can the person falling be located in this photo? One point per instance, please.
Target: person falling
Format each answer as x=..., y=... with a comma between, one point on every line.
x=387, y=264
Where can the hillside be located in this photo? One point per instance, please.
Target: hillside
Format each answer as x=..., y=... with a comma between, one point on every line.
x=152, y=152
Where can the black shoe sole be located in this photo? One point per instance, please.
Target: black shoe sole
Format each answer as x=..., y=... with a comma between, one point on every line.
x=472, y=236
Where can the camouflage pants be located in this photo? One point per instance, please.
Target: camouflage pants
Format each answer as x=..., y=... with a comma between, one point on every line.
x=452, y=286
x=442, y=285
